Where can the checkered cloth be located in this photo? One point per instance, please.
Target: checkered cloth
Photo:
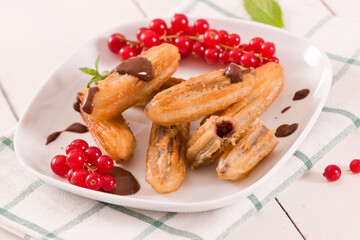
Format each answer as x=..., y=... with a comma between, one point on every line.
x=32, y=209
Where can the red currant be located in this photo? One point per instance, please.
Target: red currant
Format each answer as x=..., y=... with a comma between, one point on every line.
x=115, y=43
x=255, y=44
x=267, y=49
x=179, y=23
x=140, y=31
x=69, y=174
x=235, y=55
x=233, y=40
x=109, y=182
x=332, y=173
x=82, y=143
x=59, y=165
x=94, y=181
x=191, y=31
x=249, y=60
x=78, y=177
x=104, y=164
x=224, y=57
x=212, y=38
x=76, y=159
x=244, y=47
x=127, y=52
x=355, y=166
x=223, y=36
x=71, y=147
x=184, y=44
x=158, y=25
x=274, y=59
x=211, y=55
x=92, y=154
x=149, y=38
x=199, y=48
x=201, y=26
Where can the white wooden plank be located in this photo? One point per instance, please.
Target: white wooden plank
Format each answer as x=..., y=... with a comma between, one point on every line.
x=7, y=119
x=324, y=210
x=37, y=35
x=270, y=223
x=345, y=9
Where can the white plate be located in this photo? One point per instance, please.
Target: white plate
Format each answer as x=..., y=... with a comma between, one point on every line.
x=305, y=66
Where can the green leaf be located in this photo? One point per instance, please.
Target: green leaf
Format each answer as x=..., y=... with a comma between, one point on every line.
x=97, y=63
x=265, y=11
x=89, y=71
x=105, y=72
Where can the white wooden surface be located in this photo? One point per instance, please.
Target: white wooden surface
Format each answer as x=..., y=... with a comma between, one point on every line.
x=36, y=35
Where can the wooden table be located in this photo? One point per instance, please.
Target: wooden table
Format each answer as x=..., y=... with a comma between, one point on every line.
x=37, y=35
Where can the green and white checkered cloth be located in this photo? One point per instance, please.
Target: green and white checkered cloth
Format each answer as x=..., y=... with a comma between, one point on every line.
x=32, y=209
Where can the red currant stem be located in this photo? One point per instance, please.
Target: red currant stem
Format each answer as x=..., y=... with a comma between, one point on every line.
x=128, y=40
x=89, y=168
x=196, y=38
x=168, y=37
x=225, y=46
x=348, y=170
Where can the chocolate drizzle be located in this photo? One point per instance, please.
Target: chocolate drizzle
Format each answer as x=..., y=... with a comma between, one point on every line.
x=88, y=106
x=139, y=67
x=75, y=127
x=235, y=73
x=286, y=130
x=285, y=109
x=77, y=102
x=301, y=94
x=126, y=183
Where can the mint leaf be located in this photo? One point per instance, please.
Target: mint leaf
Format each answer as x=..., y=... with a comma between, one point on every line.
x=97, y=63
x=265, y=11
x=89, y=71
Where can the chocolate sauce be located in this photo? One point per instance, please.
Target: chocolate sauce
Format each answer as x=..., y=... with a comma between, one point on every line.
x=139, y=67
x=126, y=183
x=235, y=73
x=286, y=130
x=88, y=106
x=77, y=102
x=285, y=109
x=75, y=127
x=301, y=94
x=224, y=129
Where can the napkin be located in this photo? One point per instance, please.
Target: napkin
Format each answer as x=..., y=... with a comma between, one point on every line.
x=31, y=208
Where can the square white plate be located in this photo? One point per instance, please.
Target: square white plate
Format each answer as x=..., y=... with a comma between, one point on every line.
x=305, y=66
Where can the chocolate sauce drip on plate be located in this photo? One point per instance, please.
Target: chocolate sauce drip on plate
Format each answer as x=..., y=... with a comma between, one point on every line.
x=77, y=102
x=139, y=67
x=235, y=73
x=301, y=94
x=286, y=130
x=75, y=127
x=285, y=109
x=126, y=183
x=88, y=105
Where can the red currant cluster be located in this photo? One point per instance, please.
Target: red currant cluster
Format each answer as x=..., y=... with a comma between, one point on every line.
x=333, y=172
x=85, y=166
x=212, y=45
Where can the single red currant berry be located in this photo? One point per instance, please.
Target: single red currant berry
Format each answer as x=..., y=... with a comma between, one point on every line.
x=179, y=23
x=149, y=38
x=184, y=44
x=201, y=26
x=94, y=181
x=274, y=59
x=92, y=154
x=267, y=49
x=223, y=36
x=82, y=143
x=109, y=182
x=233, y=40
x=199, y=49
x=158, y=25
x=115, y=43
x=355, y=166
x=69, y=174
x=71, y=147
x=127, y=52
x=136, y=47
x=76, y=159
x=332, y=173
x=255, y=44
x=59, y=165
x=211, y=55
x=235, y=55
x=244, y=47
x=78, y=177
x=140, y=31
x=191, y=31
x=104, y=164
x=224, y=57
x=249, y=60
x=212, y=38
